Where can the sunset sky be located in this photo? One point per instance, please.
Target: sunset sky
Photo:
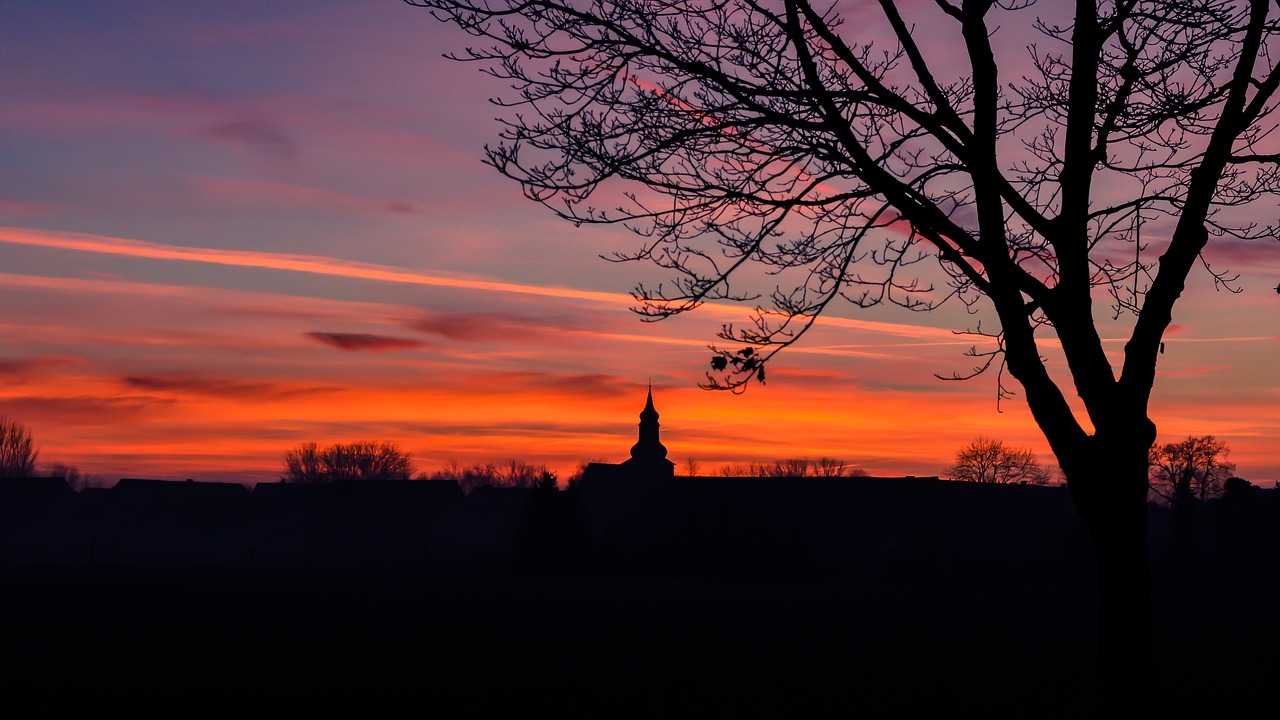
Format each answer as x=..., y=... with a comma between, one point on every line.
x=229, y=228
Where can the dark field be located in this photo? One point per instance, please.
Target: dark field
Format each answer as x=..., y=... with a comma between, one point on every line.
x=614, y=646
x=869, y=598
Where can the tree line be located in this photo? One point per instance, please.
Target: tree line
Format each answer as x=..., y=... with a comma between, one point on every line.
x=1182, y=473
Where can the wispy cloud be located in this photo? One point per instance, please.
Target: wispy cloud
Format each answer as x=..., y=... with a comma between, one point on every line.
x=313, y=264
x=71, y=411
x=215, y=387
x=27, y=207
x=321, y=265
x=261, y=136
x=29, y=365
x=261, y=194
x=352, y=342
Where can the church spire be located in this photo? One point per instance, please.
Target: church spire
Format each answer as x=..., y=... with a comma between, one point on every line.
x=648, y=447
x=649, y=411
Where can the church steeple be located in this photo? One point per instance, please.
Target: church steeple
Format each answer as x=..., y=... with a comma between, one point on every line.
x=648, y=447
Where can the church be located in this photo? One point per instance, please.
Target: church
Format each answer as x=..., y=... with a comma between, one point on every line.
x=648, y=456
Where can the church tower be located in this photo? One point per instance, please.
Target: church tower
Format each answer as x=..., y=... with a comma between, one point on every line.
x=649, y=455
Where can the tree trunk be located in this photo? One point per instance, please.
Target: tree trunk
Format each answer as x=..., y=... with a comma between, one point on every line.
x=1113, y=500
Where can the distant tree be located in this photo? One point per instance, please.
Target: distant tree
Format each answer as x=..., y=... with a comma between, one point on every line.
x=985, y=460
x=1190, y=471
x=69, y=473
x=520, y=474
x=512, y=473
x=75, y=479
x=789, y=468
x=691, y=466
x=18, y=452
x=303, y=465
x=355, y=461
x=828, y=467
x=468, y=478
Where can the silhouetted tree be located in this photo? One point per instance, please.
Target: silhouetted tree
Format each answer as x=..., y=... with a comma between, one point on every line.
x=735, y=134
x=520, y=474
x=362, y=460
x=1190, y=471
x=735, y=470
x=828, y=467
x=985, y=460
x=512, y=473
x=18, y=452
x=791, y=467
x=75, y=479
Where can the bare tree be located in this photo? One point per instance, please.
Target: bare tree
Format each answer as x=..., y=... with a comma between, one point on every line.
x=740, y=134
x=18, y=452
x=468, y=478
x=512, y=473
x=788, y=468
x=517, y=473
x=303, y=465
x=991, y=461
x=793, y=467
x=75, y=479
x=828, y=467
x=1190, y=471
x=734, y=470
x=362, y=460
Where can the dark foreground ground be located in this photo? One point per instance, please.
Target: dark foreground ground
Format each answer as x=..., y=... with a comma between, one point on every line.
x=183, y=640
